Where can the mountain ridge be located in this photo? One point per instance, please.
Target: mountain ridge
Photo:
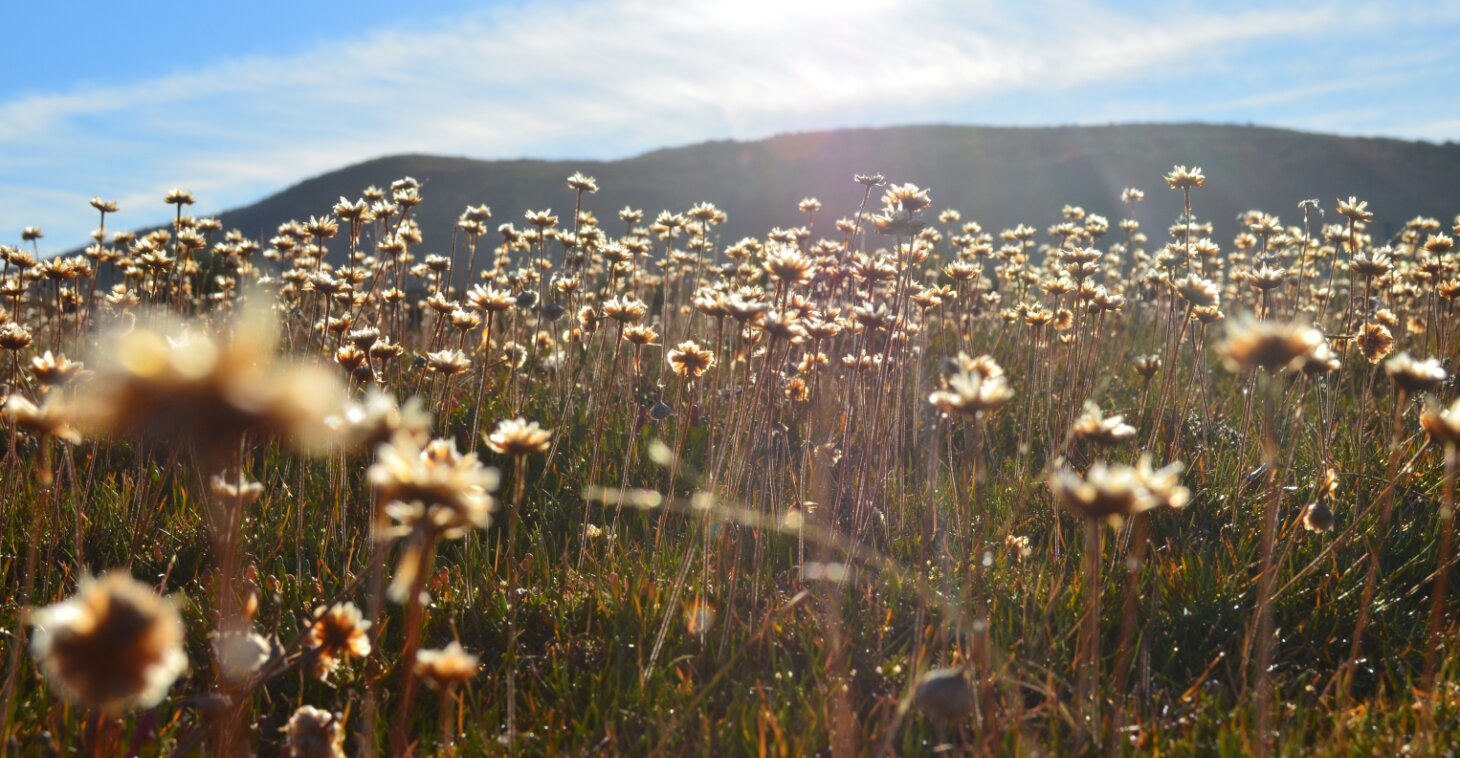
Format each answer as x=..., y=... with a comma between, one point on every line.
x=998, y=176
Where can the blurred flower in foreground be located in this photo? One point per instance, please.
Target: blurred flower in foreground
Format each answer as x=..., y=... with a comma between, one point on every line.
x=113, y=646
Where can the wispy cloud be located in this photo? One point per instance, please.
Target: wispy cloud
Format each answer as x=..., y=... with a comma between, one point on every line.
x=584, y=79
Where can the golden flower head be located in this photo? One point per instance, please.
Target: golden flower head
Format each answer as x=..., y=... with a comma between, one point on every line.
x=689, y=360
x=1442, y=424
x=114, y=645
x=1094, y=427
x=517, y=437
x=434, y=488
x=446, y=667
x=1268, y=345
x=338, y=631
x=1375, y=342
x=1183, y=178
x=1112, y=492
x=52, y=418
x=971, y=392
x=1412, y=375
x=199, y=390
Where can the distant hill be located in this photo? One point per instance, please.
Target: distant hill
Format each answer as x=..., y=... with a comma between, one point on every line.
x=997, y=176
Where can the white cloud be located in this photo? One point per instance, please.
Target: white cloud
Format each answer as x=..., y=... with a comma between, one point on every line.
x=554, y=80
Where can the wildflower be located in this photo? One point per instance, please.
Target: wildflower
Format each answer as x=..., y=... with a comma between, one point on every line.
x=446, y=667
x=1199, y=292
x=789, y=266
x=1354, y=209
x=1092, y=426
x=1104, y=492
x=1318, y=517
x=315, y=733
x=14, y=337
x=1411, y=375
x=974, y=389
x=1184, y=178
x=1147, y=366
x=640, y=335
x=114, y=645
x=55, y=371
x=447, y=362
x=1163, y=485
x=1268, y=345
x=1375, y=342
x=1442, y=425
x=195, y=390
x=582, y=183
x=52, y=418
x=689, y=360
x=435, y=487
x=625, y=309
x=339, y=631
x=1113, y=492
x=241, y=654
x=516, y=437
x=234, y=490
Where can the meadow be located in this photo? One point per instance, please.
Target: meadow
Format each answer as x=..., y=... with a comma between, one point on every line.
x=882, y=482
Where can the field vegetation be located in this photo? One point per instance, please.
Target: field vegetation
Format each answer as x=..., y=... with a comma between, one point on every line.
x=883, y=482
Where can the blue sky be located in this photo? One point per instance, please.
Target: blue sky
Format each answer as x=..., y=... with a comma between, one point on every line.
x=238, y=100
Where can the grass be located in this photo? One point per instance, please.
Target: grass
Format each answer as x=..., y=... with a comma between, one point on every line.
x=800, y=565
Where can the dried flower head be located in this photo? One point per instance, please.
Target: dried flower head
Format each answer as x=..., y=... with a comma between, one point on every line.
x=241, y=654
x=1094, y=427
x=944, y=694
x=689, y=360
x=447, y=667
x=339, y=631
x=1182, y=178
x=1375, y=342
x=1268, y=345
x=315, y=733
x=517, y=437
x=434, y=488
x=1112, y=492
x=198, y=390
x=1442, y=425
x=1412, y=375
x=977, y=387
x=114, y=645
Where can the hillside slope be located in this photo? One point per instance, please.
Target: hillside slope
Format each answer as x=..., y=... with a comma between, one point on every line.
x=997, y=176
